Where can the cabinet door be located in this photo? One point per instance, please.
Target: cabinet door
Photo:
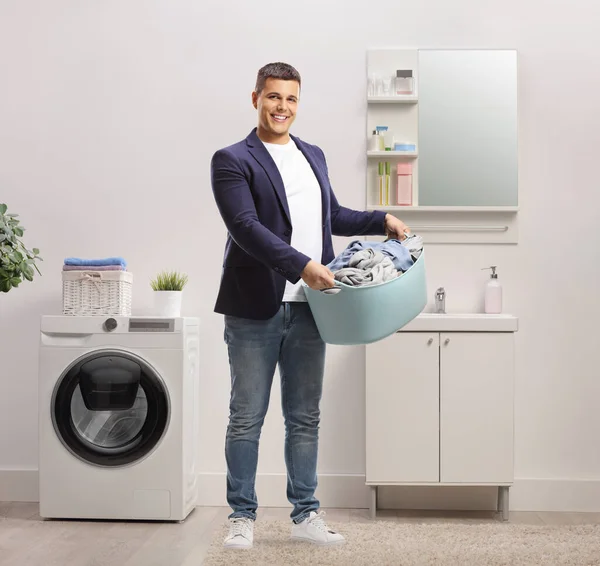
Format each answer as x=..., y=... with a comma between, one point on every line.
x=402, y=412
x=476, y=409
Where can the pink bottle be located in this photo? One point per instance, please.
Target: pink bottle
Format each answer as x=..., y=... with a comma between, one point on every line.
x=404, y=192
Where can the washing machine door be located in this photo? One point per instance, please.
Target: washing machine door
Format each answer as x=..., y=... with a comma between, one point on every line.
x=110, y=408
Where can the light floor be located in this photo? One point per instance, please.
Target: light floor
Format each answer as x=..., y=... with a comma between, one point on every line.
x=27, y=540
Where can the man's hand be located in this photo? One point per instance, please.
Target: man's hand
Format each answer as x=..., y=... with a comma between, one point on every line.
x=395, y=228
x=317, y=276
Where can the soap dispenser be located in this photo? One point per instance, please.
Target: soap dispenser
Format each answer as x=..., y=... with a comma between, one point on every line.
x=493, y=293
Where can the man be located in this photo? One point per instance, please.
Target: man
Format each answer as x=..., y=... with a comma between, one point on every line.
x=273, y=192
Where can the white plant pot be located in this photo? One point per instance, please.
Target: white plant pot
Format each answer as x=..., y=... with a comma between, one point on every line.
x=167, y=303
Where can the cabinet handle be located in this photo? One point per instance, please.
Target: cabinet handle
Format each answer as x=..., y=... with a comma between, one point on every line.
x=430, y=341
x=447, y=341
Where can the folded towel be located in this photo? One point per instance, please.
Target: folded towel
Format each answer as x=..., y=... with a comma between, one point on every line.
x=95, y=262
x=93, y=268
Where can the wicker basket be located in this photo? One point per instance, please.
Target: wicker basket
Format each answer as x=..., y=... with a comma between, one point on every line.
x=97, y=293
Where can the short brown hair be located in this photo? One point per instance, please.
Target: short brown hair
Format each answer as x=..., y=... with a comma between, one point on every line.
x=281, y=71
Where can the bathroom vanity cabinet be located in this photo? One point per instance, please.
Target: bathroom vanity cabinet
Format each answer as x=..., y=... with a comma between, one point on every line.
x=440, y=404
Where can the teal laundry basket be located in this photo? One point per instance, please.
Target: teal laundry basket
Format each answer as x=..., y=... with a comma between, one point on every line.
x=362, y=315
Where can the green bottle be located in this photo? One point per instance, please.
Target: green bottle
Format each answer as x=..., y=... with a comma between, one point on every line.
x=381, y=184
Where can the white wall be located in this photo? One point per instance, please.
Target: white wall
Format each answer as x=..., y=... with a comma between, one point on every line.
x=110, y=112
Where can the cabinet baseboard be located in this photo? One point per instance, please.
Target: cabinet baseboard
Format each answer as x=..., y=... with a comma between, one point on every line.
x=350, y=491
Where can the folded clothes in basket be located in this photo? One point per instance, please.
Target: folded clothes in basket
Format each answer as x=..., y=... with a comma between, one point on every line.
x=95, y=262
x=93, y=268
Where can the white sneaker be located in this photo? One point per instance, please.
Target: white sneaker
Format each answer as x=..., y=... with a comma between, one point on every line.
x=314, y=529
x=241, y=533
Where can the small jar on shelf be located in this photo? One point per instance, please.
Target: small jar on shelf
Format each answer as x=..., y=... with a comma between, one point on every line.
x=404, y=83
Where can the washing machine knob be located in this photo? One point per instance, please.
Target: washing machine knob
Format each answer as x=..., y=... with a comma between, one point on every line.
x=110, y=324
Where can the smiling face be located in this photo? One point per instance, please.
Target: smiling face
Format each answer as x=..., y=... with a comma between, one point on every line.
x=277, y=104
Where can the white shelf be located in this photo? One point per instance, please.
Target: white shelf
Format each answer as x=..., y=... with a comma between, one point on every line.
x=393, y=99
x=392, y=153
x=445, y=208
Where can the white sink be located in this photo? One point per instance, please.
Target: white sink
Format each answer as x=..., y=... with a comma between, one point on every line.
x=462, y=322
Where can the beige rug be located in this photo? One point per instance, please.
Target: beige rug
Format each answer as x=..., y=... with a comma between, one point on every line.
x=384, y=543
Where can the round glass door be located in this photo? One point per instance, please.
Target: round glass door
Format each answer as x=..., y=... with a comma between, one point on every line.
x=110, y=408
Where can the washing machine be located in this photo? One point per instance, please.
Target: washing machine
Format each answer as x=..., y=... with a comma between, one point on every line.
x=118, y=417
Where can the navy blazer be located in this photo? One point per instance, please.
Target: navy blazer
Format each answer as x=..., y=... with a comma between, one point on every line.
x=250, y=196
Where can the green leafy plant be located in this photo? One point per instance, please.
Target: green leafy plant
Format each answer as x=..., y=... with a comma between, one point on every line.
x=16, y=261
x=169, y=281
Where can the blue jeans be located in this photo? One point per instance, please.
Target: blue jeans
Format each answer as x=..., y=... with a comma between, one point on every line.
x=255, y=347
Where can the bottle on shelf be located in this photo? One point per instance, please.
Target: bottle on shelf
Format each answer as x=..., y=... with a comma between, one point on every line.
x=381, y=183
x=374, y=141
x=388, y=186
x=404, y=187
x=381, y=131
x=404, y=82
x=388, y=140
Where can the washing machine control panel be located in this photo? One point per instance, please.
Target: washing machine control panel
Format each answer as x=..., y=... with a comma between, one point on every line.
x=110, y=324
x=151, y=325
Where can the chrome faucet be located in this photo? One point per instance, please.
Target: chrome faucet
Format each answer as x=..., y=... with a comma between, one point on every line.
x=440, y=301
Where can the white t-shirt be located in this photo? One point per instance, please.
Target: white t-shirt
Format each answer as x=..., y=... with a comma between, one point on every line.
x=303, y=194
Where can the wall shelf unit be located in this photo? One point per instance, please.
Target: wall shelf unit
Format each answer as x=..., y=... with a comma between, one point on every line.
x=407, y=154
x=463, y=189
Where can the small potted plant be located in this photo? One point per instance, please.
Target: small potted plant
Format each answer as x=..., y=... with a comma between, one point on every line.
x=16, y=261
x=168, y=287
